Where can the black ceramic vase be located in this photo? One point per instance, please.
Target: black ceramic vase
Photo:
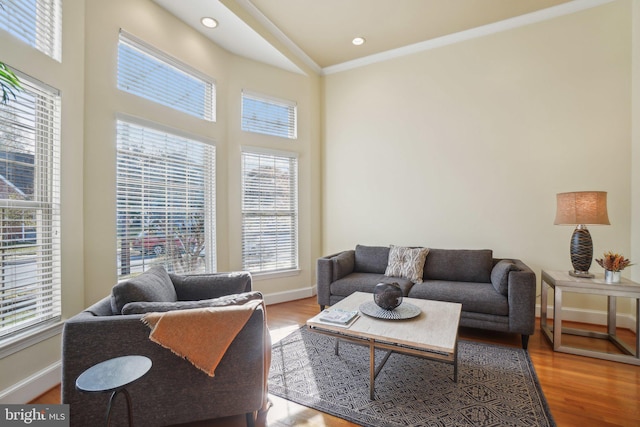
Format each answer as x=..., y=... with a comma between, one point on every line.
x=387, y=295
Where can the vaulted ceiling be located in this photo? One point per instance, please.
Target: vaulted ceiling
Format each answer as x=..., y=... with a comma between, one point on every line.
x=319, y=33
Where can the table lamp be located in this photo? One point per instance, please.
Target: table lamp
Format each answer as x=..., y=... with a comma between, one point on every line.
x=581, y=208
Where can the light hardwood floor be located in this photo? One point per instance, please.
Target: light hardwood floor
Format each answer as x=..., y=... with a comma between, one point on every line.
x=581, y=391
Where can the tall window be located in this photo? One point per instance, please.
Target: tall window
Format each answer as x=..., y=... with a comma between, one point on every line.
x=269, y=211
x=269, y=116
x=36, y=22
x=29, y=209
x=165, y=201
x=150, y=73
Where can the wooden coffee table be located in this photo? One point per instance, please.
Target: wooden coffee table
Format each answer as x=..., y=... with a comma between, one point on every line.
x=433, y=334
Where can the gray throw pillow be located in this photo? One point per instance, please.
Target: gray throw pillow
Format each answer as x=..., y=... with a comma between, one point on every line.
x=500, y=275
x=154, y=307
x=152, y=285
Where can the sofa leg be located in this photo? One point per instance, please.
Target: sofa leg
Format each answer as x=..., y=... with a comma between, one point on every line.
x=525, y=341
x=321, y=307
x=250, y=419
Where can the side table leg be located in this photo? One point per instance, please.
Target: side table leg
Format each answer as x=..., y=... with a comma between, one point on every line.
x=557, y=319
x=637, y=328
x=611, y=316
x=110, y=405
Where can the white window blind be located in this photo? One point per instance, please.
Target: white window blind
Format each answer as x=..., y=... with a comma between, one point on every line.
x=165, y=201
x=36, y=22
x=151, y=74
x=269, y=211
x=29, y=209
x=269, y=116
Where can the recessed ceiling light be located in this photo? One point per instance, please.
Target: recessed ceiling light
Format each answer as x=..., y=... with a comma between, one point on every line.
x=209, y=22
x=358, y=41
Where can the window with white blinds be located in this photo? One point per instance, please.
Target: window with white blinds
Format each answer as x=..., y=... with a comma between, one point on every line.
x=269, y=116
x=152, y=74
x=36, y=22
x=165, y=201
x=269, y=211
x=29, y=209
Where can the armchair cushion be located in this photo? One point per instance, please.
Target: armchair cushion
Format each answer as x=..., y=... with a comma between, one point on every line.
x=152, y=285
x=144, y=307
x=213, y=285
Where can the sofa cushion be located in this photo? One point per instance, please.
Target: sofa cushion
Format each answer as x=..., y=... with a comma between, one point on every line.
x=152, y=285
x=144, y=307
x=371, y=259
x=343, y=264
x=459, y=265
x=406, y=262
x=474, y=297
x=366, y=282
x=500, y=275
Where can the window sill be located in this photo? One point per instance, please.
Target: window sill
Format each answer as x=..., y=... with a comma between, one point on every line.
x=29, y=338
x=274, y=275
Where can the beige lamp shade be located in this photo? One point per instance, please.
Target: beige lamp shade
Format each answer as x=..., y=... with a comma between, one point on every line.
x=582, y=207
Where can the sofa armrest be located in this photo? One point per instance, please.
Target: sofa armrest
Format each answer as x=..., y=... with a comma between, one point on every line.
x=206, y=286
x=328, y=272
x=172, y=382
x=522, y=299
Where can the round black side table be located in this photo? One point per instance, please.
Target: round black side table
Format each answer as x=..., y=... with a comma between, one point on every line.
x=114, y=375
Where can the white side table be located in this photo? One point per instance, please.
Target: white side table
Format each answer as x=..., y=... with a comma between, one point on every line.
x=560, y=282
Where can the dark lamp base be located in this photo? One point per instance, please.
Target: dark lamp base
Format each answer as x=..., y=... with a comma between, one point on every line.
x=582, y=274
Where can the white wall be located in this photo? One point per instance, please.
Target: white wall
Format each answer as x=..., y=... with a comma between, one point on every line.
x=635, y=157
x=465, y=146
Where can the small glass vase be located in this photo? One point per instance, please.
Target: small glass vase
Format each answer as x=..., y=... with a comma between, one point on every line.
x=612, y=276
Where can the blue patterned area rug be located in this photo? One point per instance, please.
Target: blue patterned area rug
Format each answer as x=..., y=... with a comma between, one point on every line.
x=497, y=386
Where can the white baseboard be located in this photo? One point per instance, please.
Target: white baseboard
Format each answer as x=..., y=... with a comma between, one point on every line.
x=285, y=296
x=32, y=386
x=595, y=317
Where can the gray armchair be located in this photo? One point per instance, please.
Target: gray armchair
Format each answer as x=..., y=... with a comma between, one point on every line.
x=174, y=391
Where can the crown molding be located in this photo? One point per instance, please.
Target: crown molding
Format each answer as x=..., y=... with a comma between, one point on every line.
x=505, y=25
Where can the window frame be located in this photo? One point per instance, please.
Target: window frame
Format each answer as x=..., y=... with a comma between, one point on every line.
x=264, y=125
x=46, y=24
x=209, y=182
x=162, y=59
x=45, y=203
x=276, y=155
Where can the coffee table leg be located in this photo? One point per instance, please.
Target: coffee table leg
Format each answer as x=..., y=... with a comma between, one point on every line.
x=455, y=363
x=337, y=345
x=372, y=370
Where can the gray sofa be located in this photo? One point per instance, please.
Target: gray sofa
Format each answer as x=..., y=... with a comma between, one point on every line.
x=174, y=391
x=495, y=294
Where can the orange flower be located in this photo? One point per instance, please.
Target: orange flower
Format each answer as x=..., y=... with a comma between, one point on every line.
x=613, y=262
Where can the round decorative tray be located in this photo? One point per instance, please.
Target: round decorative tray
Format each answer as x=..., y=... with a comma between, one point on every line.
x=403, y=311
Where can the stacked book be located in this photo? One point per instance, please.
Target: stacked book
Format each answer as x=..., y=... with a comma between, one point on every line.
x=338, y=316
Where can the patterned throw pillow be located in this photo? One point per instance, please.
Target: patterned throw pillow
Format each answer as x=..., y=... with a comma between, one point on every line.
x=406, y=262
